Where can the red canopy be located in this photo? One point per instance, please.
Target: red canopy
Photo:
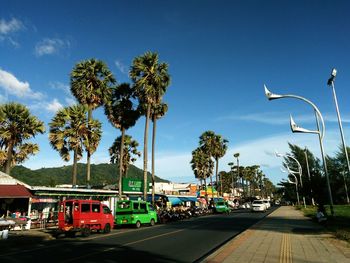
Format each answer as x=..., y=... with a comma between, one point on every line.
x=14, y=191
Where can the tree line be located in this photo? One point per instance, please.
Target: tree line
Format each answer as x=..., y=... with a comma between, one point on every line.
x=314, y=185
x=73, y=130
x=211, y=148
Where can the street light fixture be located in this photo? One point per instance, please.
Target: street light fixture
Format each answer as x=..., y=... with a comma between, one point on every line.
x=331, y=83
x=236, y=155
x=291, y=182
x=320, y=132
x=232, y=164
x=299, y=172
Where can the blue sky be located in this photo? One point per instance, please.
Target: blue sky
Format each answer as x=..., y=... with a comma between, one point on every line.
x=220, y=54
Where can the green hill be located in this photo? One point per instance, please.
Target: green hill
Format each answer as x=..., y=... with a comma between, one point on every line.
x=101, y=174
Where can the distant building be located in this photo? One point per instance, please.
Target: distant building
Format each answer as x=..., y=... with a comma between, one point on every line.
x=176, y=188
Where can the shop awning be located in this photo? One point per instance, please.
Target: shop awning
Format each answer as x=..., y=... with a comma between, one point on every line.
x=14, y=191
x=174, y=200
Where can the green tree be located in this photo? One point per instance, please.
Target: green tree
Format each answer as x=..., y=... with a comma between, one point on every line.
x=122, y=114
x=151, y=79
x=315, y=185
x=130, y=152
x=17, y=126
x=339, y=176
x=69, y=132
x=90, y=84
x=215, y=146
x=202, y=166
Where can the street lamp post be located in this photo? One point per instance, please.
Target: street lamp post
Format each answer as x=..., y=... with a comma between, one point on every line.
x=331, y=83
x=231, y=164
x=308, y=173
x=320, y=132
x=291, y=182
x=299, y=172
x=236, y=155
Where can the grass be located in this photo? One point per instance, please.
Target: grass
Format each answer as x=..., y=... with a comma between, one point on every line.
x=339, y=224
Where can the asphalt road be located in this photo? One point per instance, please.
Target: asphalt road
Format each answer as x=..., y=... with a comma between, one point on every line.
x=183, y=241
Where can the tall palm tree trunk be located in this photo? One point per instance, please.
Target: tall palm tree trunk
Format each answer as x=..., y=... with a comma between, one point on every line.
x=145, y=141
x=153, y=155
x=75, y=162
x=120, y=190
x=9, y=158
x=216, y=175
x=206, y=190
x=88, y=150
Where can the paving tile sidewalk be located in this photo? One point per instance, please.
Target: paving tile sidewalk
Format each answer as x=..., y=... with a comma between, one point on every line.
x=283, y=236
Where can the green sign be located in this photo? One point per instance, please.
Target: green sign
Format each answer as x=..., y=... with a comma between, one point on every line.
x=132, y=185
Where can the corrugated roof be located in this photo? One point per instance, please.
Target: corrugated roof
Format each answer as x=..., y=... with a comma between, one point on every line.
x=6, y=179
x=14, y=191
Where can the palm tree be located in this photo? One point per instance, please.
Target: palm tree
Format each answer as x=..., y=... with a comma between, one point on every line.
x=90, y=84
x=151, y=80
x=215, y=146
x=202, y=166
x=69, y=132
x=158, y=111
x=219, y=151
x=130, y=152
x=122, y=114
x=16, y=126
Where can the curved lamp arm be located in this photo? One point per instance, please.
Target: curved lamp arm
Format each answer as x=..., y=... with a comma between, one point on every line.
x=272, y=96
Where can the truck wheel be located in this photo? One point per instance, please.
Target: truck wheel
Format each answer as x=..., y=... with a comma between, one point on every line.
x=107, y=228
x=138, y=224
x=86, y=232
x=152, y=222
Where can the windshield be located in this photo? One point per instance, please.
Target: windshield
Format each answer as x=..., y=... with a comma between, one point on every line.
x=123, y=205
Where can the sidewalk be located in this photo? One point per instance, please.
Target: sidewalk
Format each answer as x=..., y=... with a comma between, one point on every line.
x=284, y=236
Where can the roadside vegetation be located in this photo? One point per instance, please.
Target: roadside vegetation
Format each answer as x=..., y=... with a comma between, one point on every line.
x=339, y=224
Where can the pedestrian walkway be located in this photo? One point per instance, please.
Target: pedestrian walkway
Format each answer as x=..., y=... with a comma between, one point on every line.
x=284, y=236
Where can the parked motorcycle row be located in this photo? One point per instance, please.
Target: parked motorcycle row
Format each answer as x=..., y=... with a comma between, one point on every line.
x=180, y=213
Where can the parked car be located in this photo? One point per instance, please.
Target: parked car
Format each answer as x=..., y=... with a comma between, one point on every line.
x=245, y=206
x=258, y=206
x=221, y=207
x=267, y=203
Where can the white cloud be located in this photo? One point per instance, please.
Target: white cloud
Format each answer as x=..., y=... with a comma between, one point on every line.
x=49, y=46
x=54, y=106
x=60, y=86
x=8, y=28
x=122, y=68
x=13, y=86
x=70, y=101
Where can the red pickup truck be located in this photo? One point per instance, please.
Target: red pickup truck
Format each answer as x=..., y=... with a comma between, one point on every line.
x=84, y=216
